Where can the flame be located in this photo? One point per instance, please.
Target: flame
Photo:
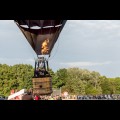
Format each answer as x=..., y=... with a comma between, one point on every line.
x=45, y=48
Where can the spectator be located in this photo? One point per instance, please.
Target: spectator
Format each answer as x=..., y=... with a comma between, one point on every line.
x=36, y=97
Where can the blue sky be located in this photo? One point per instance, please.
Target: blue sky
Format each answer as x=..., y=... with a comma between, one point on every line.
x=87, y=44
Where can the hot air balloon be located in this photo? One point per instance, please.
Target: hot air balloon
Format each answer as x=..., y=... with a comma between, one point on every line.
x=42, y=36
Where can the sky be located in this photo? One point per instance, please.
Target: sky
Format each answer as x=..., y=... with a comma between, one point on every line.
x=86, y=44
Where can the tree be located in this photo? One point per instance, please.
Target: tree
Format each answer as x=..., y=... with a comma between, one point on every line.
x=106, y=86
x=91, y=90
x=117, y=85
x=74, y=84
x=59, y=78
x=15, y=77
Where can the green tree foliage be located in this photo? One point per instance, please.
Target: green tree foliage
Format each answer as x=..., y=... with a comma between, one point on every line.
x=15, y=77
x=81, y=81
x=74, y=80
x=59, y=78
x=117, y=85
x=106, y=86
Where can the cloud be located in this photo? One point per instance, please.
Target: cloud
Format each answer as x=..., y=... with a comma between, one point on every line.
x=13, y=61
x=85, y=64
x=104, y=24
x=7, y=25
x=8, y=29
x=6, y=22
x=92, y=30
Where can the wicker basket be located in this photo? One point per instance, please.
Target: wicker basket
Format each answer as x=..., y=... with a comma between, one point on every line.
x=42, y=86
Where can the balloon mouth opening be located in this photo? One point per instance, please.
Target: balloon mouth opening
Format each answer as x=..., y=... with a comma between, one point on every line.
x=37, y=27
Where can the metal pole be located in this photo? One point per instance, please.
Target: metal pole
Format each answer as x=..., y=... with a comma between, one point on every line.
x=35, y=68
x=60, y=91
x=47, y=65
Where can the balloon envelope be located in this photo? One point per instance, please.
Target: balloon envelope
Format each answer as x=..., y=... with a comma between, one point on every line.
x=41, y=34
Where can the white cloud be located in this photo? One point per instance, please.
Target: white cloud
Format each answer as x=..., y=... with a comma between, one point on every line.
x=6, y=22
x=84, y=64
x=13, y=61
x=96, y=24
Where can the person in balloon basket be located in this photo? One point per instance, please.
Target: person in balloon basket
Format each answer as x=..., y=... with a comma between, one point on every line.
x=37, y=72
x=41, y=72
x=44, y=73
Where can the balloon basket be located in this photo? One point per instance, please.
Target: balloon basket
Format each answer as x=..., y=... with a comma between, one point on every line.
x=42, y=86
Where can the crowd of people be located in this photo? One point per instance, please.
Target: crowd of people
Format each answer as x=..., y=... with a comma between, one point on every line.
x=58, y=97
x=47, y=97
x=99, y=97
